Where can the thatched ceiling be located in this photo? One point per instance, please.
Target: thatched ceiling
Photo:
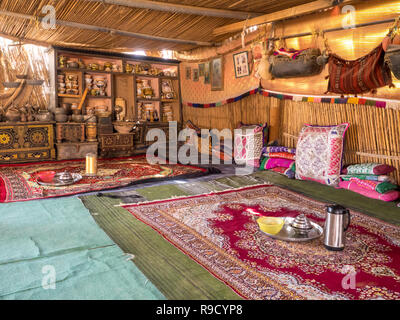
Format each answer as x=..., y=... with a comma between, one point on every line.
x=182, y=26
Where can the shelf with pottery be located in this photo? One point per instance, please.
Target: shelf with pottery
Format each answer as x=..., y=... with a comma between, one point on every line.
x=119, y=107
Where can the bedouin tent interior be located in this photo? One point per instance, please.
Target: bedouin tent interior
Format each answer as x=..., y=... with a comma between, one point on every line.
x=199, y=150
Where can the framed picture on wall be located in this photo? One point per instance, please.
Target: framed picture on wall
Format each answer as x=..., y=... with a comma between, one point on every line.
x=196, y=75
x=241, y=63
x=217, y=74
x=201, y=69
x=207, y=73
x=188, y=73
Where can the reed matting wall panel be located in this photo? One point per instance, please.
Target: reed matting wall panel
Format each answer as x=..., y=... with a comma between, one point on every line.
x=373, y=136
x=251, y=110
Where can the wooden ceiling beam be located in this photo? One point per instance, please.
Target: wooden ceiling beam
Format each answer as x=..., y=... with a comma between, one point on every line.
x=296, y=11
x=179, y=8
x=108, y=30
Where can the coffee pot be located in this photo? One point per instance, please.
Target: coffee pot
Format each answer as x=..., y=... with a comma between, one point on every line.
x=336, y=224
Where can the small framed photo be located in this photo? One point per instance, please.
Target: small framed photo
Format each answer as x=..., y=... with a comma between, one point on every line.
x=196, y=75
x=207, y=73
x=188, y=73
x=201, y=69
x=241, y=63
x=217, y=74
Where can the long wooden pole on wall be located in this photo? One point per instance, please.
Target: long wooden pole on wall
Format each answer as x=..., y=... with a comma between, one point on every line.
x=180, y=8
x=107, y=30
x=296, y=11
x=275, y=119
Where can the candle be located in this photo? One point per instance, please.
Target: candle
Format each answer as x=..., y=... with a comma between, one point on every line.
x=91, y=164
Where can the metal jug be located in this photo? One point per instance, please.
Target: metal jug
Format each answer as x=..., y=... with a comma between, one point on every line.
x=335, y=227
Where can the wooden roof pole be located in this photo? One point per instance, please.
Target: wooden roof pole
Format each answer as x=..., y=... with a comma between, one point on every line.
x=108, y=30
x=179, y=8
x=303, y=9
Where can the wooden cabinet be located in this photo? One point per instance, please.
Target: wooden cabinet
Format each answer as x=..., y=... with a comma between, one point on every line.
x=116, y=145
x=70, y=132
x=127, y=79
x=26, y=142
x=78, y=150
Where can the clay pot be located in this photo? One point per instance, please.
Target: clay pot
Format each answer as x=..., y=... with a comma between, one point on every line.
x=44, y=116
x=61, y=117
x=66, y=107
x=123, y=127
x=13, y=114
x=77, y=118
x=59, y=111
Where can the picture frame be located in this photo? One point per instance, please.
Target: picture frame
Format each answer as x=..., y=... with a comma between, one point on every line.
x=241, y=64
x=201, y=69
x=217, y=74
x=188, y=72
x=207, y=72
x=195, y=75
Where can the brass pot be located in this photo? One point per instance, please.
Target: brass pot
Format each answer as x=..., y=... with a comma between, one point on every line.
x=91, y=132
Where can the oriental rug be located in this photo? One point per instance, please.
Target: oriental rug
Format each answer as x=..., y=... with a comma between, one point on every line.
x=219, y=231
x=18, y=182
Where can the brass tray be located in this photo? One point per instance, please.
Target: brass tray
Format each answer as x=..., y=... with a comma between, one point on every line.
x=288, y=233
x=57, y=183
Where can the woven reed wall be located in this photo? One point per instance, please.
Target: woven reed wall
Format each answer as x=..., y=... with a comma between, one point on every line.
x=253, y=109
x=373, y=136
x=15, y=59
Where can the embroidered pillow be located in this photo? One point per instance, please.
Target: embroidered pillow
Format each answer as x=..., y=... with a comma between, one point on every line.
x=288, y=172
x=256, y=128
x=382, y=178
x=319, y=153
x=369, y=168
x=248, y=145
x=270, y=163
x=387, y=196
x=274, y=149
x=282, y=155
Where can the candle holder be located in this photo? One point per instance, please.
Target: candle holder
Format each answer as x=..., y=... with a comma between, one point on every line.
x=91, y=165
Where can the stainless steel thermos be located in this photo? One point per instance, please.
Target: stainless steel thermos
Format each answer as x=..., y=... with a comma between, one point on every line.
x=336, y=224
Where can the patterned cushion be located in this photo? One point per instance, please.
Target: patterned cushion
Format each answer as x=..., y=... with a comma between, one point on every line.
x=270, y=163
x=353, y=186
x=288, y=172
x=256, y=128
x=274, y=149
x=369, y=168
x=319, y=153
x=248, y=145
x=282, y=155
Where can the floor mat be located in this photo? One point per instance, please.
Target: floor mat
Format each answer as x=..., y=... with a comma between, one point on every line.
x=19, y=182
x=174, y=274
x=218, y=231
x=53, y=249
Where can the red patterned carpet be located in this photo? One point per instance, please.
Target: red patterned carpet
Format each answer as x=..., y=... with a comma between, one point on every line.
x=18, y=182
x=219, y=232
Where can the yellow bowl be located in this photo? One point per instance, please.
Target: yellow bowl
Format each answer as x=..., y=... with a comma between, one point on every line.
x=271, y=225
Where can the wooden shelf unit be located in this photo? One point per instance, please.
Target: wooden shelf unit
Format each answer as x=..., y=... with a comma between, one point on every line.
x=120, y=83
